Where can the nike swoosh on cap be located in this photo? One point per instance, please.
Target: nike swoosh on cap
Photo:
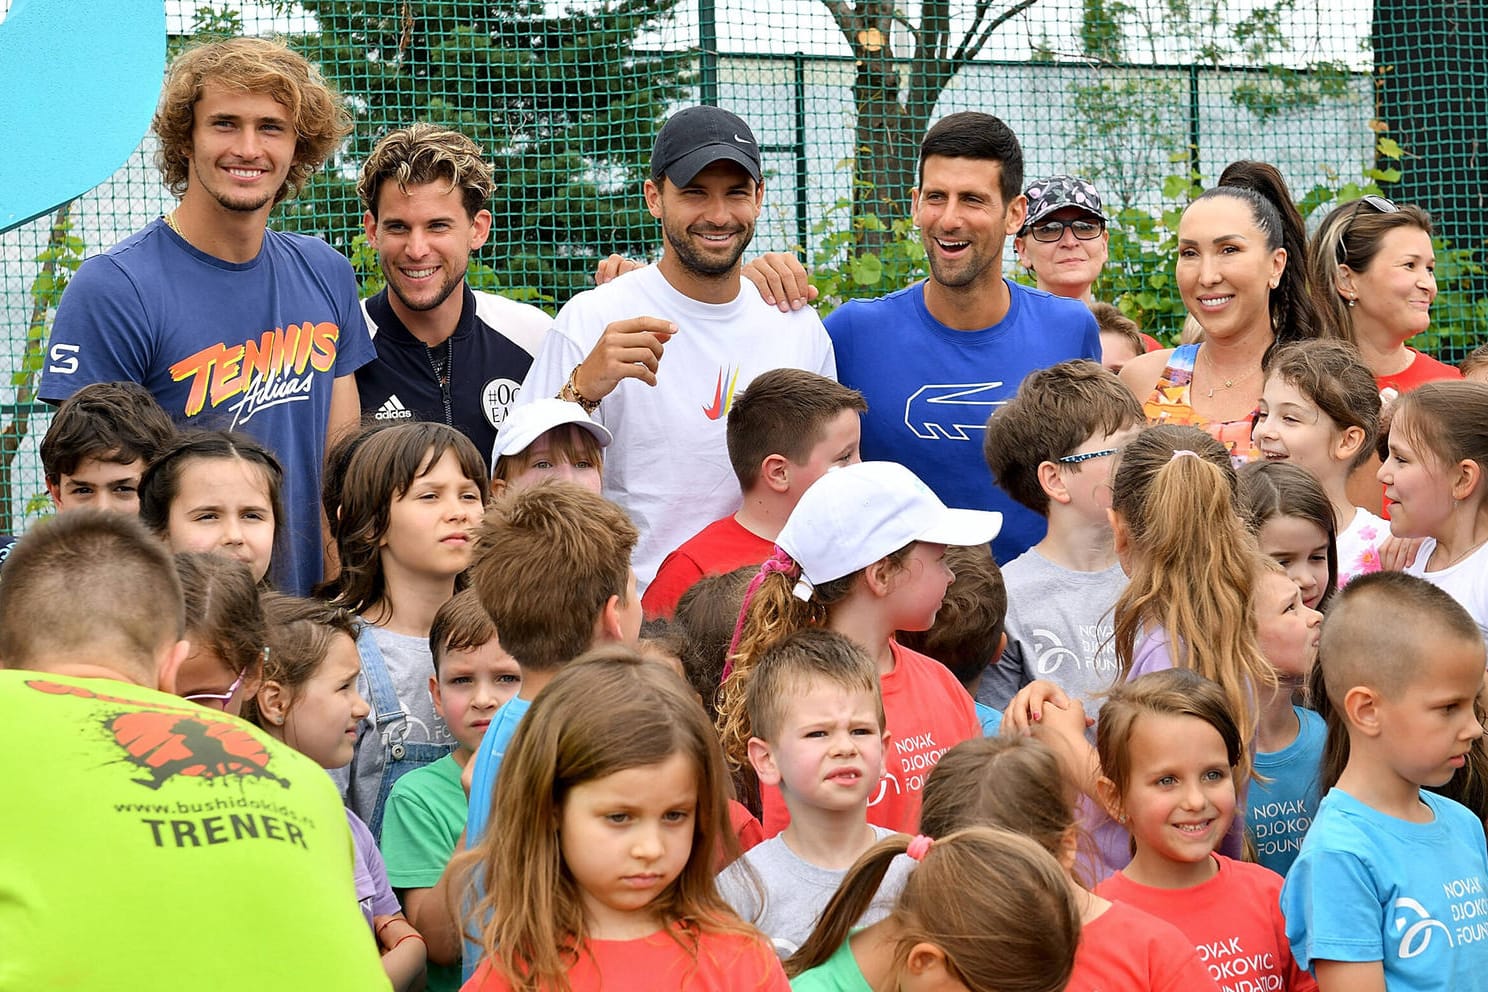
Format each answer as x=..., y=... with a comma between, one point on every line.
x=743, y=141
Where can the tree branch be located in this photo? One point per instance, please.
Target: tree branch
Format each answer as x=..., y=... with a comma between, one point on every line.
x=969, y=48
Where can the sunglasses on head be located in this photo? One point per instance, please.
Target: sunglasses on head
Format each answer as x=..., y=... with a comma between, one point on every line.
x=1379, y=204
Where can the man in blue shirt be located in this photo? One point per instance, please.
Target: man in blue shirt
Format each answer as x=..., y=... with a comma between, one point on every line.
x=936, y=359
x=228, y=324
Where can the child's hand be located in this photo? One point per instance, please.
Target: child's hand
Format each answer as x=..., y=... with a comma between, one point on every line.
x=1059, y=724
x=1028, y=707
x=1398, y=552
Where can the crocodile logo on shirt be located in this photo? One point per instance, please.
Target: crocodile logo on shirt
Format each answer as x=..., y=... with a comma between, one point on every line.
x=946, y=411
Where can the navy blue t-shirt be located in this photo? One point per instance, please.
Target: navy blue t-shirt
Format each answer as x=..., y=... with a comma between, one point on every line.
x=252, y=346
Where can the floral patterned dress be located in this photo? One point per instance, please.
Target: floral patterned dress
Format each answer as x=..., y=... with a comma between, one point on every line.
x=1169, y=404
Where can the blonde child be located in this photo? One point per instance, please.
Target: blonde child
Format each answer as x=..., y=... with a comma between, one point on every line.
x=863, y=554
x=982, y=910
x=816, y=733
x=599, y=869
x=1474, y=367
x=1283, y=796
x=410, y=501
x=425, y=813
x=1388, y=891
x=1289, y=514
x=215, y=491
x=308, y=699
x=1170, y=752
x=1435, y=487
x=226, y=628
x=1017, y=784
x=1320, y=411
x=1189, y=602
x=548, y=439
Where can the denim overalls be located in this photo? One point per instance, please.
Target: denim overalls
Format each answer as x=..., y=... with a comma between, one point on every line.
x=390, y=721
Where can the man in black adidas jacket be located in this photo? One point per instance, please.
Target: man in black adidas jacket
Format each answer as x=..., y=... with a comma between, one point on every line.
x=444, y=351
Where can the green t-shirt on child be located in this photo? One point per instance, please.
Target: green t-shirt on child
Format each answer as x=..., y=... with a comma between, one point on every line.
x=421, y=823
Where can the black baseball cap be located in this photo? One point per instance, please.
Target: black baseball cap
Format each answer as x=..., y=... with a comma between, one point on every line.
x=695, y=138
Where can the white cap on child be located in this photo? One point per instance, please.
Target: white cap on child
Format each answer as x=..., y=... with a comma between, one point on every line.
x=855, y=515
x=525, y=424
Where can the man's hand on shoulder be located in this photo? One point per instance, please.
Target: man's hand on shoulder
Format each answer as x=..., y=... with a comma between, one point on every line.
x=615, y=265
x=782, y=280
x=628, y=349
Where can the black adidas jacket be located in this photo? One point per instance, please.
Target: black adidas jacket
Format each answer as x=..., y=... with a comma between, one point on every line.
x=489, y=355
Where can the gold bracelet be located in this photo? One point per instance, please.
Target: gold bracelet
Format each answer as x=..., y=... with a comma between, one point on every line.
x=570, y=393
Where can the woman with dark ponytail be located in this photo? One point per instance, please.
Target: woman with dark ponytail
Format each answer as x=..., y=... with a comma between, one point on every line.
x=1241, y=272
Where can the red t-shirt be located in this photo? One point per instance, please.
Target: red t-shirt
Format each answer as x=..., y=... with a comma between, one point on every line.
x=1423, y=368
x=1127, y=949
x=746, y=827
x=657, y=963
x=1234, y=920
x=720, y=547
x=928, y=712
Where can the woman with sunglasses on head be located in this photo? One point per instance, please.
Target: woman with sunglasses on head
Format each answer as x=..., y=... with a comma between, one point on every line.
x=1375, y=274
x=1241, y=275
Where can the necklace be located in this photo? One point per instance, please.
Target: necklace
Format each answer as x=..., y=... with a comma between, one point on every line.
x=1227, y=383
x=1459, y=557
x=170, y=222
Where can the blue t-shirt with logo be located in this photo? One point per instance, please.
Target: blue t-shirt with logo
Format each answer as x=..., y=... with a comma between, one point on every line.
x=483, y=786
x=252, y=346
x=930, y=388
x=1282, y=808
x=1413, y=896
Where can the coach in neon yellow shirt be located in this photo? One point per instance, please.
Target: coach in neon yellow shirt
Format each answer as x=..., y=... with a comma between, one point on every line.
x=149, y=842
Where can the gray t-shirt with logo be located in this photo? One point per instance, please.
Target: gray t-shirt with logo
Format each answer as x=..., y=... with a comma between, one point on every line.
x=1058, y=629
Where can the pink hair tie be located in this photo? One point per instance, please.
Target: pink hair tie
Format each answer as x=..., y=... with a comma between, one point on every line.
x=1180, y=452
x=778, y=561
x=919, y=847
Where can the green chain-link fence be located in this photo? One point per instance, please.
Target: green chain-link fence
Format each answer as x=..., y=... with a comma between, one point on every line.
x=1148, y=98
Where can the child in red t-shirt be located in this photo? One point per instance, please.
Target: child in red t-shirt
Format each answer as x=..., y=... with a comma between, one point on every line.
x=1169, y=748
x=1018, y=784
x=863, y=554
x=787, y=428
x=598, y=869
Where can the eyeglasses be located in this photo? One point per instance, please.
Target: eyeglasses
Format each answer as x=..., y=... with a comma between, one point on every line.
x=218, y=700
x=1053, y=230
x=1379, y=204
x=1086, y=456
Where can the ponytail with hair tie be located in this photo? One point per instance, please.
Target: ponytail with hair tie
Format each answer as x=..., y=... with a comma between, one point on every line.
x=778, y=561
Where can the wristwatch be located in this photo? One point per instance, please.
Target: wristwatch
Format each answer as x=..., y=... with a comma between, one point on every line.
x=570, y=393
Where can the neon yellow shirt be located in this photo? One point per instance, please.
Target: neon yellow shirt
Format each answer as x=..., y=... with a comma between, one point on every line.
x=150, y=843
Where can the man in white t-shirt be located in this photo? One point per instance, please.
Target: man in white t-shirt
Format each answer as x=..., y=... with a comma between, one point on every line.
x=658, y=354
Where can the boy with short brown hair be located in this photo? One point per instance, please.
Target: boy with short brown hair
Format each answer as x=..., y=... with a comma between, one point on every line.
x=1052, y=448
x=99, y=442
x=787, y=429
